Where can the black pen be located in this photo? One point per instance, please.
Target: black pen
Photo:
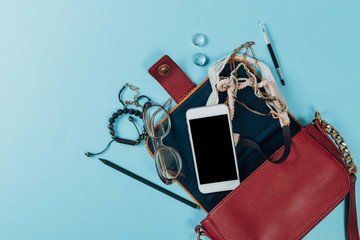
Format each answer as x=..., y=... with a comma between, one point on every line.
x=268, y=44
x=147, y=182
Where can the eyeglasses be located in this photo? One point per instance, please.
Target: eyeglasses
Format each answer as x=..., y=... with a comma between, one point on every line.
x=157, y=125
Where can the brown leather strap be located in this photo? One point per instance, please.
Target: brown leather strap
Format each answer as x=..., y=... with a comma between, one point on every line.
x=200, y=231
x=352, y=225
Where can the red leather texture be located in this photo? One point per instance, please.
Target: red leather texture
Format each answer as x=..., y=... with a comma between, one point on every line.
x=284, y=201
x=352, y=228
x=176, y=83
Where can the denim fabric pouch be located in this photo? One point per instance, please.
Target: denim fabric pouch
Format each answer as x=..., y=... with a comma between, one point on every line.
x=264, y=130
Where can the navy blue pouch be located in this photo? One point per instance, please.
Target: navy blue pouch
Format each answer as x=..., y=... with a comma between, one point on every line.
x=264, y=130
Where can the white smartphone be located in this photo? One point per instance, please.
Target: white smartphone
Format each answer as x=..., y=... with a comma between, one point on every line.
x=213, y=148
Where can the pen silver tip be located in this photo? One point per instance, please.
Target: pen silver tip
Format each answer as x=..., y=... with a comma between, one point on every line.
x=279, y=73
x=262, y=28
x=261, y=25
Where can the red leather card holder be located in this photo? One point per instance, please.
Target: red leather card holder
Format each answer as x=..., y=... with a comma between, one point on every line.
x=171, y=78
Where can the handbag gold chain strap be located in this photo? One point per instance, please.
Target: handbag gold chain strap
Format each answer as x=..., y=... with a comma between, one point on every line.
x=340, y=142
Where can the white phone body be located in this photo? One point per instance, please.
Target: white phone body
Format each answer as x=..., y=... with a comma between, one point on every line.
x=213, y=148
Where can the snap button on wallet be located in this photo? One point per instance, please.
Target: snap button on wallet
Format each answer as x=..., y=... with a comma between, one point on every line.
x=172, y=78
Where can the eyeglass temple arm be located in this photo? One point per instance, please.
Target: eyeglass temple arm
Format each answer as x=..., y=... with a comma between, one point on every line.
x=168, y=102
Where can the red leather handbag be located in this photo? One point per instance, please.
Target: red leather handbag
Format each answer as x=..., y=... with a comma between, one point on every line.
x=287, y=200
x=273, y=201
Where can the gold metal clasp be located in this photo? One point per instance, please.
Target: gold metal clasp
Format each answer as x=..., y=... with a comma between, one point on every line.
x=353, y=169
x=164, y=69
x=198, y=234
x=136, y=96
x=318, y=117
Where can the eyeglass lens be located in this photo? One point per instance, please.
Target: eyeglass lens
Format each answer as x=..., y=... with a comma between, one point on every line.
x=167, y=162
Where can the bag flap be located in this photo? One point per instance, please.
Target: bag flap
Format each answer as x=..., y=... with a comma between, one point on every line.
x=283, y=201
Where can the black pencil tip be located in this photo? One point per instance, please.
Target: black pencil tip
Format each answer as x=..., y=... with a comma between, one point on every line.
x=282, y=82
x=103, y=160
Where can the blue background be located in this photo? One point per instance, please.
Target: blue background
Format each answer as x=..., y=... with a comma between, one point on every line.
x=62, y=64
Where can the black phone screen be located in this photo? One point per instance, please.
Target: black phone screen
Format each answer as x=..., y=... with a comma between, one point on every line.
x=213, y=149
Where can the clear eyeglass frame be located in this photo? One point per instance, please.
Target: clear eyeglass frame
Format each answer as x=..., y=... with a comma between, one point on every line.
x=157, y=124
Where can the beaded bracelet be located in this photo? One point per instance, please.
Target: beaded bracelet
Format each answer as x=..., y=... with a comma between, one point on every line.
x=121, y=112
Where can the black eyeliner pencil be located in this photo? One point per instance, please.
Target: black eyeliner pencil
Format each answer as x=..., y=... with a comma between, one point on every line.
x=268, y=44
x=147, y=182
